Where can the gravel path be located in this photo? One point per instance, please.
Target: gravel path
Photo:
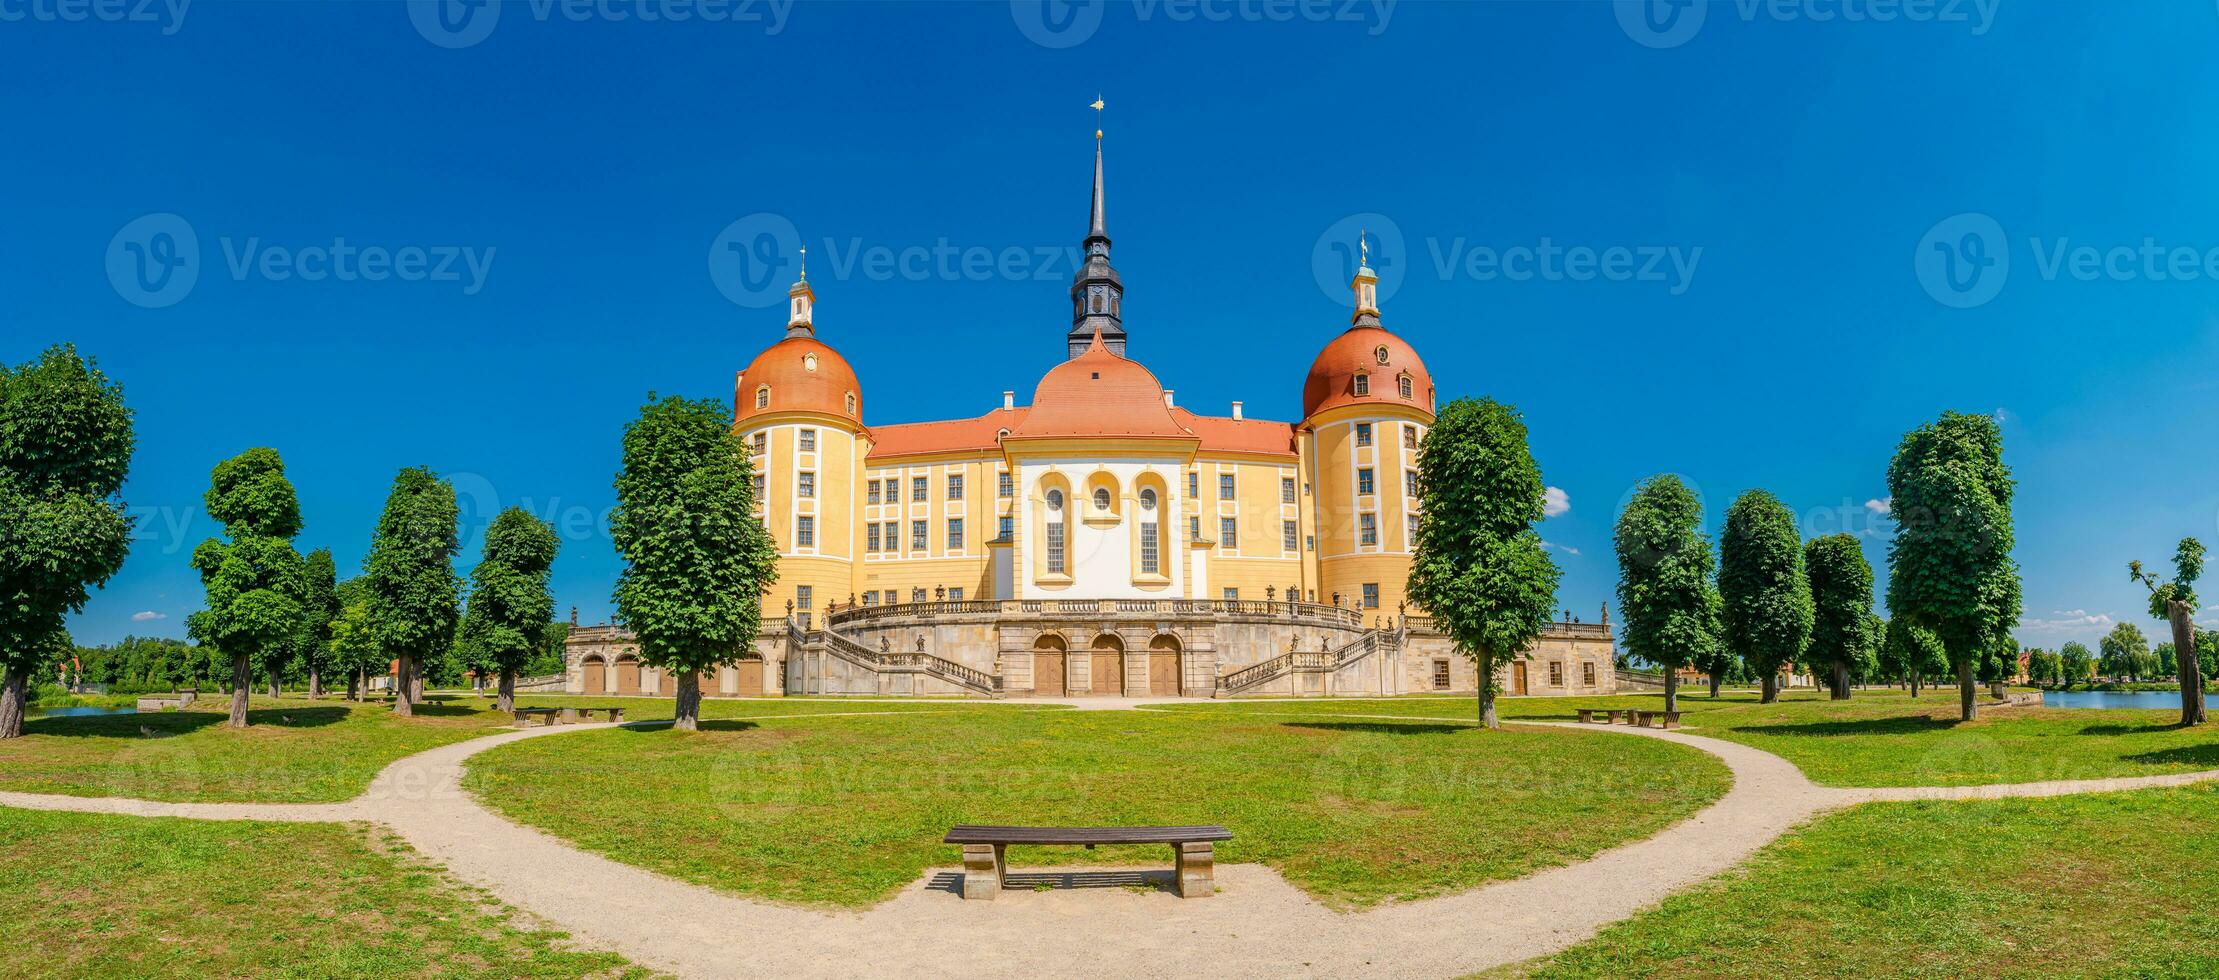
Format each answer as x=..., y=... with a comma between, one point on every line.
x=1259, y=926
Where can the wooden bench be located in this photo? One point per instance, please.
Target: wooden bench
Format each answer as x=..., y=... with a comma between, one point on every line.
x=1647, y=719
x=1610, y=715
x=529, y=717
x=985, y=870
x=571, y=716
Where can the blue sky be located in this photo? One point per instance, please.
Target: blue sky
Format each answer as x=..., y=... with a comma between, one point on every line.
x=1778, y=237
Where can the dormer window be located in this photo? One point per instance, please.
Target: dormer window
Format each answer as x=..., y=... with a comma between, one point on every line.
x=1363, y=384
x=762, y=397
x=851, y=398
x=1402, y=386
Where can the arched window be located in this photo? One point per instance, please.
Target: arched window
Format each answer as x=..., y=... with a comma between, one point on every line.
x=762, y=397
x=1363, y=384
x=1151, y=561
x=1403, y=386
x=1055, y=532
x=1101, y=499
x=1148, y=498
x=1055, y=505
x=851, y=397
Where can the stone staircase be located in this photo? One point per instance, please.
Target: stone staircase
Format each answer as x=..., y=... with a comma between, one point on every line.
x=1305, y=661
x=884, y=662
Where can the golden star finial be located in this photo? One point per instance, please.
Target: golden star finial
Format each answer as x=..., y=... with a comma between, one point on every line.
x=1097, y=107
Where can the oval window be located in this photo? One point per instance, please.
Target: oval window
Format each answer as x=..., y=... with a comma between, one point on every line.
x=809, y=361
x=1101, y=499
x=1148, y=500
x=1055, y=500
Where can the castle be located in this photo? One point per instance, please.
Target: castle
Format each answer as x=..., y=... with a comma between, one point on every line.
x=1100, y=538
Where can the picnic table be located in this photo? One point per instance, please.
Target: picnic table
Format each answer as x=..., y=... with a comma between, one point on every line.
x=985, y=869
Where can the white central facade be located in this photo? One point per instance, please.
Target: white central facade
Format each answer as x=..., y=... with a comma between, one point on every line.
x=1105, y=512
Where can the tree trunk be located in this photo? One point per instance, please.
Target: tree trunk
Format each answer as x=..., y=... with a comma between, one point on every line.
x=1488, y=719
x=2191, y=666
x=315, y=682
x=242, y=681
x=1841, y=680
x=1968, y=691
x=1771, y=688
x=354, y=685
x=507, y=701
x=14, y=691
x=275, y=690
x=1714, y=681
x=404, y=687
x=1671, y=689
x=689, y=702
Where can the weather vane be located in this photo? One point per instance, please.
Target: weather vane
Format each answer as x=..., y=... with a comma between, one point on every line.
x=1363, y=245
x=1097, y=107
x=805, y=263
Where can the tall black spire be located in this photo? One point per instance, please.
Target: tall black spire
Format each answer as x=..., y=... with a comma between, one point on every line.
x=1097, y=294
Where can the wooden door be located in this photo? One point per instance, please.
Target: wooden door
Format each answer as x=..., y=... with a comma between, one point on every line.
x=1109, y=673
x=1047, y=673
x=1518, y=677
x=1163, y=667
x=597, y=677
x=627, y=677
x=750, y=677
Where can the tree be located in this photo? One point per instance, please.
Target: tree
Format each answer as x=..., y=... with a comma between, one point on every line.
x=354, y=644
x=2164, y=659
x=411, y=581
x=2123, y=649
x=1479, y=567
x=1912, y=652
x=1949, y=567
x=1766, y=599
x=696, y=561
x=1665, y=598
x=1841, y=600
x=2044, y=668
x=65, y=446
x=320, y=603
x=254, y=581
x=509, y=602
x=2073, y=664
x=2175, y=602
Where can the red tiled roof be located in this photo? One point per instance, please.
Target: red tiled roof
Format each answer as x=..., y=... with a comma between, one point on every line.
x=1239, y=435
x=1332, y=380
x=1099, y=393
x=981, y=434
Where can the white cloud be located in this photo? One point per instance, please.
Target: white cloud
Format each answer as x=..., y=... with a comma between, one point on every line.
x=148, y=616
x=1565, y=548
x=1555, y=501
x=1880, y=505
x=2066, y=620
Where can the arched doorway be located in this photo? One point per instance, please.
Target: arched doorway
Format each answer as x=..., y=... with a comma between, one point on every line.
x=1108, y=676
x=1047, y=666
x=627, y=675
x=597, y=675
x=750, y=675
x=1163, y=666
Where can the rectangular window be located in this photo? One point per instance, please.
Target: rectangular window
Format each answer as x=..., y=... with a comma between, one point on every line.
x=955, y=534
x=893, y=536
x=1286, y=489
x=805, y=532
x=955, y=486
x=1150, y=561
x=1556, y=673
x=870, y=537
x=802, y=595
x=1367, y=529
x=916, y=595
x=1364, y=481
x=1409, y=483
x=762, y=485
x=870, y=598
x=808, y=440
x=762, y=442
x=1409, y=435
x=1410, y=528
x=1440, y=675
x=955, y=594
x=919, y=534
x=805, y=483
x=1402, y=386
x=1194, y=484
x=1004, y=486
x=1288, y=535
x=870, y=492
x=1232, y=595
x=1371, y=595
x=1055, y=547
x=1309, y=542
x=1363, y=431
x=1194, y=529
x=1225, y=486
x=1363, y=384
x=1006, y=528
x=1228, y=532
x=1587, y=673
x=919, y=489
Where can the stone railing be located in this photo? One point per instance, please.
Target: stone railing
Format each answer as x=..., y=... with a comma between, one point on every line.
x=1300, y=660
x=1096, y=608
x=880, y=661
x=1556, y=629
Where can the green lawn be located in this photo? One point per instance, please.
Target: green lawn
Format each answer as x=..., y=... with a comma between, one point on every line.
x=296, y=750
x=847, y=810
x=85, y=895
x=1878, y=738
x=2105, y=885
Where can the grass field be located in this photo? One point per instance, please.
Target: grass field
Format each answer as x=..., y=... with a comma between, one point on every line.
x=1877, y=738
x=847, y=810
x=84, y=895
x=295, y=751
x=2105, y=885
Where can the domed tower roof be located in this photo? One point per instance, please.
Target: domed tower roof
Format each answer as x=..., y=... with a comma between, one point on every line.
x=1099, y=394
x=801, y=373
x=1371, y=352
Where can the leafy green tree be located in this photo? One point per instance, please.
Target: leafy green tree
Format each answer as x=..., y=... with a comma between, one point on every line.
x=1766, y=597
x=413, y=589
x=506, y=622
x=1665, y=597
x=1912, y=652
x=2123, y=650
x=1950, y=568
x=2175, y=602
x=254, y=581
x=2163, y=659
x=550, y=657
x=2074, y=664
x=1841, y=600
x=1480, y=569
x=320, y=603
x=696, y=560
x=354, y=644
x=2044, y=668
x=65, y=446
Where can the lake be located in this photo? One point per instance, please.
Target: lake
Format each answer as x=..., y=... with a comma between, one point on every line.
x=2160, y=700
x=38, y=712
